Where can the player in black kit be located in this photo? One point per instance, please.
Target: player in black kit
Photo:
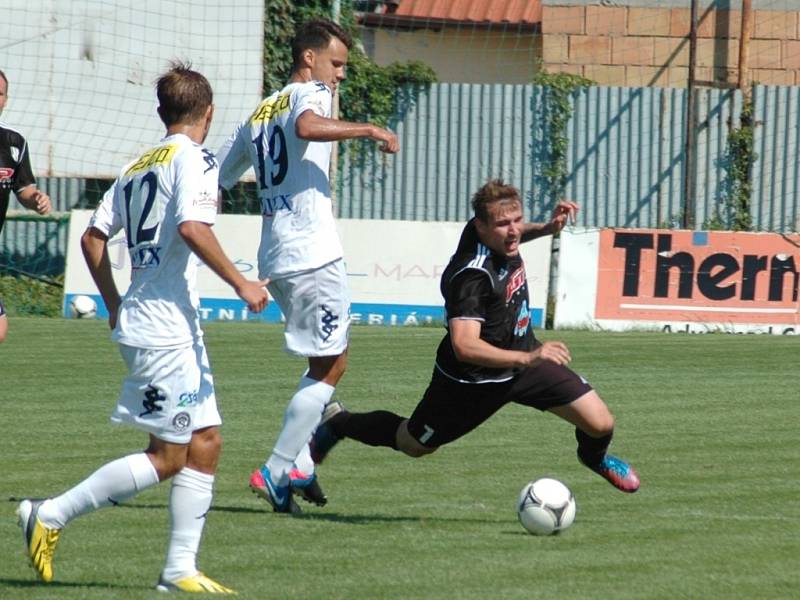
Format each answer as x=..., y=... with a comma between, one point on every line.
x=16, y=176
x=490, y=356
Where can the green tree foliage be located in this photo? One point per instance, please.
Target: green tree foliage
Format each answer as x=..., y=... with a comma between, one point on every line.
x=560, y=89
x=737, y=187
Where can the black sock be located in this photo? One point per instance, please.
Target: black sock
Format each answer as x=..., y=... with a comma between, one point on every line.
x=376, y=428
x=591, y=451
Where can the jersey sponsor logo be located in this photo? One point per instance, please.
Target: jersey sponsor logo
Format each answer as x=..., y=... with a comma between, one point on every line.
x=515, y=282
x=205, y=199
x=523, y=320
x=145, y=257
x=269, y=206
x=160, y=156
x=187, y=399
x=269, y=108
x=6, y=173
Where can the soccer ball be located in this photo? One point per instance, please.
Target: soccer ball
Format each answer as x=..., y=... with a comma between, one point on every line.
x=82, y=307
x=546, y=507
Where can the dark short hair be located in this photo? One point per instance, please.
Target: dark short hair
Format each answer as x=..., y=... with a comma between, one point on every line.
x=494, y=190
x=316, y=34
x=3, y=75
x=184, y=95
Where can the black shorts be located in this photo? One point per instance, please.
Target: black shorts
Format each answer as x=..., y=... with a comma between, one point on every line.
x=450, y=409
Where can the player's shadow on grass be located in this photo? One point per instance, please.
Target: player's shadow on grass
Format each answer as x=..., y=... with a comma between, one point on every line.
x=55, y=585
x=265, y=510
x=314, y=515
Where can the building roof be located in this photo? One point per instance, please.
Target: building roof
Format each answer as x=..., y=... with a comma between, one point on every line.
x=519, y=14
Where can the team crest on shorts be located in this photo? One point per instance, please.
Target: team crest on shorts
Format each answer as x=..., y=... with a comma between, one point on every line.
x=181, y=421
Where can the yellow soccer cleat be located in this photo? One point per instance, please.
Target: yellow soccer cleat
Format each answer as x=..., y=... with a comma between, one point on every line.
x=40, y=541
x=195, y=583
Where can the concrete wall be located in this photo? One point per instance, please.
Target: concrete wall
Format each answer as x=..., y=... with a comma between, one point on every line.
x=465, y=55
x=647, y=46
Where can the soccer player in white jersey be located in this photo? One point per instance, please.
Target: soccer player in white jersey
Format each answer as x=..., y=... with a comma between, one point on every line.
x=166, y=202
x=288, y=141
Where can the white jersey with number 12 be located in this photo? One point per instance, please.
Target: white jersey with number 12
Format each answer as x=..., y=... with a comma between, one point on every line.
x=173, y=182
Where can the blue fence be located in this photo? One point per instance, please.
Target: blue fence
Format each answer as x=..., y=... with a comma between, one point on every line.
x=627, y=155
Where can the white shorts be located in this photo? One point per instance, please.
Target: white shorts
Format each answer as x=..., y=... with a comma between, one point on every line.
x=168, y=392
x=316, y=305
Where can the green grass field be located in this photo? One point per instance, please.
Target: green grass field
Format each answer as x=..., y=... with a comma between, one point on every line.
x=710, y=422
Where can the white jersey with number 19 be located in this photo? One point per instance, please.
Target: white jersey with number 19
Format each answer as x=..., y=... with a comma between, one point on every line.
x=173, y=182
x=298, y=231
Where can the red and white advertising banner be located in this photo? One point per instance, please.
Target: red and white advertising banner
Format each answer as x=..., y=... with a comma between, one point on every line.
x=687, y=281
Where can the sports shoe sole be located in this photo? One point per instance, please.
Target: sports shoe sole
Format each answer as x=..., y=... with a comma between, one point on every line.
x=311, y=493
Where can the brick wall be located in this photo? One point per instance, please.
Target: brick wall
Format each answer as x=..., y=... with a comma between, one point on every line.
x=630, y=46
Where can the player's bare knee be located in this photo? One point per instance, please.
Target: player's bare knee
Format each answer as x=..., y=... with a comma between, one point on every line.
x=328, y=369
x=167, y=464
x=600, y=425
x=204, y=450
x=407, y=443
x=418, y=450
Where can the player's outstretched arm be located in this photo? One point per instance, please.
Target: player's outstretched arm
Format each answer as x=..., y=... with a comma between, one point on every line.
x=564, y=212
x=204, y=243
x=94, y=244
x=470, y=348
x=315, y=128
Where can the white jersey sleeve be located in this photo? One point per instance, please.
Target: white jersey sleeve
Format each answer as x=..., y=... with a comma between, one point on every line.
x=233, y=156
x=196, y=187
x=106, y=218
x=316, y=98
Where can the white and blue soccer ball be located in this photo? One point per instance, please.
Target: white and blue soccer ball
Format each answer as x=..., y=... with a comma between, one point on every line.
x=546, y=507
x=82, y=307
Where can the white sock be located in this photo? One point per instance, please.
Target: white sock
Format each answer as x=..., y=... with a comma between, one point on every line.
x=304, y=463
x=299, y=421
x=189, y=502
x=112, y=483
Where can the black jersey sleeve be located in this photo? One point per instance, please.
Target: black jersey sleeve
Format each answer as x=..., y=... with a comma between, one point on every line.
x=23, y=176
x=468, y=295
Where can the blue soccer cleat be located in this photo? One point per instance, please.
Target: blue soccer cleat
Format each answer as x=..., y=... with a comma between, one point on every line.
x=279, y=496
x=618, y=473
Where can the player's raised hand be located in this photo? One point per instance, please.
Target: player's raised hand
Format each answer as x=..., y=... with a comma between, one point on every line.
x=564, y=212
x=556, y=352
x=254, y=293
